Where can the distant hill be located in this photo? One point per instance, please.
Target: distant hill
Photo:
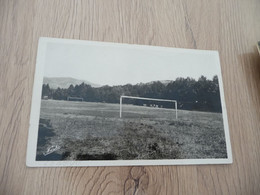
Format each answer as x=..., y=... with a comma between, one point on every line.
x=65, y=82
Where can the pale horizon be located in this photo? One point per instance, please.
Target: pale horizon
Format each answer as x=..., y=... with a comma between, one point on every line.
x=127, y=83
x=119, y=65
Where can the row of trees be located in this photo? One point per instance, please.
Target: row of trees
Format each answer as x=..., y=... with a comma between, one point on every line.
x=201, y=95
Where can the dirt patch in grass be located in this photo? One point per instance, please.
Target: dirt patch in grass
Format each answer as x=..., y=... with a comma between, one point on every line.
x=45, y=132
x=106, y=156
x=53, y=156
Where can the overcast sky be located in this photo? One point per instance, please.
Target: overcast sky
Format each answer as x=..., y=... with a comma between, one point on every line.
x=117, y=65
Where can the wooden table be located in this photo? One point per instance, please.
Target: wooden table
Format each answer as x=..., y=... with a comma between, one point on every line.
x=232, y=27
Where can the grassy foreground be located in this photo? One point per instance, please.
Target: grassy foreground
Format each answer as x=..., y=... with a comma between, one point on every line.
x=94, y=131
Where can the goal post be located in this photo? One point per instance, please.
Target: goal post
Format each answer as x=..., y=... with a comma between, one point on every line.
x=148, y=99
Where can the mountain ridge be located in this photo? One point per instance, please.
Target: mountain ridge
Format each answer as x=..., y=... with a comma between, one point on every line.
x=65, y=82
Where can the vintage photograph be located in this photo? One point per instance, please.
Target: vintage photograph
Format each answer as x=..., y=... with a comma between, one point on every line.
x=127, y=103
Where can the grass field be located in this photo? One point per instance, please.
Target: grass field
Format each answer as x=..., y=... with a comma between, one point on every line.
x=94, y=131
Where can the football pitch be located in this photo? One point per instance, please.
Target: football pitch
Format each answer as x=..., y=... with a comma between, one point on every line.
x=94, y=131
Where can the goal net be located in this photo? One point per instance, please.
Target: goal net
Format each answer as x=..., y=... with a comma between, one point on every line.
x=76, y=99
x=148, y=99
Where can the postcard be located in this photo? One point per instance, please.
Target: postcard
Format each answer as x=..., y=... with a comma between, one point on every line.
x=111, y=104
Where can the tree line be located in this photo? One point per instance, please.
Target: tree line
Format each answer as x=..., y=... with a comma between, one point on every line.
x=201, y=95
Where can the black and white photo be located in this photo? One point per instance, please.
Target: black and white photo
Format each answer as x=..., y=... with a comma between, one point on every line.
x=110, y=104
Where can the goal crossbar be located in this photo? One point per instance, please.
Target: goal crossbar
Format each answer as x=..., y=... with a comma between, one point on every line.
x=152, y=99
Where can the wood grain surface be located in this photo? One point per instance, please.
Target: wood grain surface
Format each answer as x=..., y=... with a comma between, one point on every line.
x=232, y=27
